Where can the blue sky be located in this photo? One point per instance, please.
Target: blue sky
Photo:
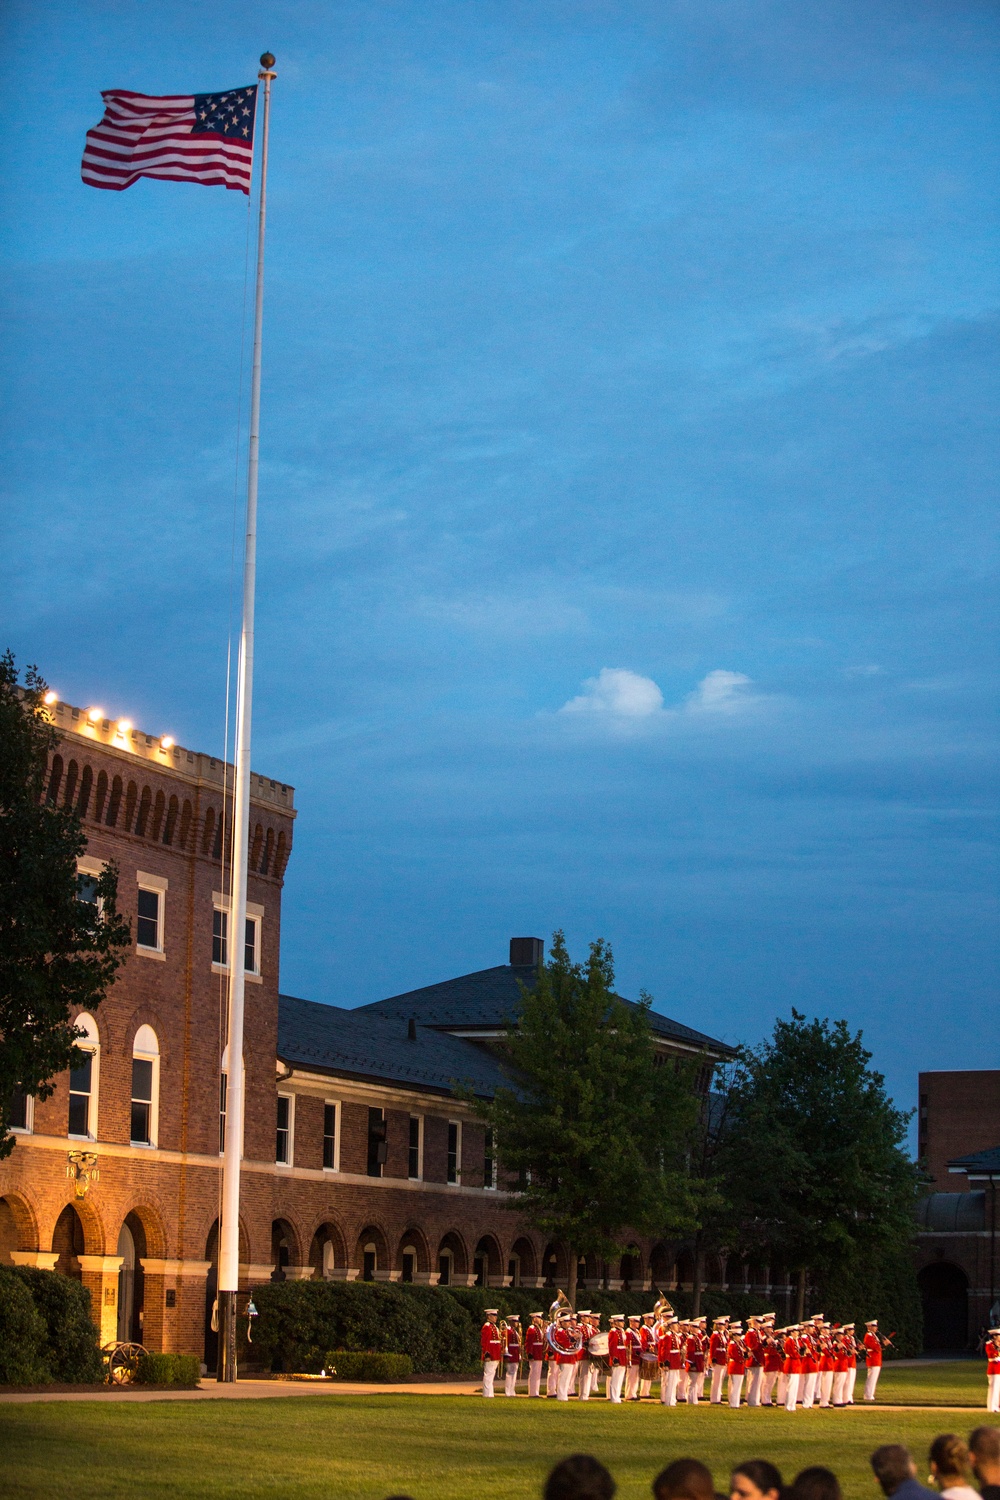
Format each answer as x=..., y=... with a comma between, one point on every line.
x=627, y=553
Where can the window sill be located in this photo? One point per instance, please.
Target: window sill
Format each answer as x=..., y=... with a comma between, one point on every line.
x=71, y=1137
x=248, y=977
x=144, y=1145
x=156, y=953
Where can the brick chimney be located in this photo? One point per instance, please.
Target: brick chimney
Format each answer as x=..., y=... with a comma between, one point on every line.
x=526, y=952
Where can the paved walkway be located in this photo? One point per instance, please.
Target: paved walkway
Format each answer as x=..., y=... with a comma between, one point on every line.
x=242, y=1390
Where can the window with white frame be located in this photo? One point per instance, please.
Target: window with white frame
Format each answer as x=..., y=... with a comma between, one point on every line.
x=251, y=935
x=224, y=1101
x=454, y=1151
x=21, y=1111
x=145, y=1087
x=415, y=1154
x=150, y=913
x=286, y=1123
x=331, y=1142
x=83, y=1080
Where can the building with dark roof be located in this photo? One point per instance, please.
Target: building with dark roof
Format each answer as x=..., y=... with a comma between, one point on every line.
x=362, y=1157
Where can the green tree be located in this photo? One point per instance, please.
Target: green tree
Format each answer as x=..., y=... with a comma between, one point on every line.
x=814, y=1161
x=593, y=1127
x=56, y=952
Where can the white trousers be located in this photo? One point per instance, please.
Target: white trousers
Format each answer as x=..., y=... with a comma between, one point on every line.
x=535, y=1376
x=840, y=1388
x=718, y=1375
x=695, y=1387
x=595, y=1379
x=564, y=1381
x=615, y=1382
x=646, y=1377
x=753, y=1385
x=735, y=1388
x=490, y=1367
x=871, y=1381
x=682, y=1385
x=668, y=1387
x=510, y=1378
x=584, y=1369
x=825, y=1387
x=767, y=1386
x=809, y=1388
x=792, y=1392
x=849, y=1384
x=632, y=1382
x=782, y=1388
x=550, y=1378
x=993, y=1393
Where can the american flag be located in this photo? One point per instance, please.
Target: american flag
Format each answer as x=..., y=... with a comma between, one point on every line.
x=206, y=138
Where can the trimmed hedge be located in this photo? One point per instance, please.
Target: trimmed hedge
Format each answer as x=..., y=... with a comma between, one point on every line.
x=22, y=1334
x=350, y=1364
x=437, y=1327
x=70, y=1348
x=169, y=1369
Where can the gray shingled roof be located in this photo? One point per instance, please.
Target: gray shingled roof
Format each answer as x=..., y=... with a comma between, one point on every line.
x=979, y=1161
x=488, y=997
x=372, y=1042
x=357, y=1044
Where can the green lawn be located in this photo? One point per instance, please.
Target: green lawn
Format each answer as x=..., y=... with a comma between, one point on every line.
x=431, y=1447
x=952, y=1383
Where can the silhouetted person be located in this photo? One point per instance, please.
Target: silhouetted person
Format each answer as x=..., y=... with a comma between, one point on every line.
x=815, y=1483
x=579, y=1477
x=984, y=1450
x=896, y=1472
x=684, y=1479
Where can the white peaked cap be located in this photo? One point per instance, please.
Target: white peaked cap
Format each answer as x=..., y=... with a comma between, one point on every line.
x=870, y=1322
x=492, y=1312
x=537, y=1315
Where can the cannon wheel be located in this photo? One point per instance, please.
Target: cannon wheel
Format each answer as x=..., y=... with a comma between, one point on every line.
x=122, y=1362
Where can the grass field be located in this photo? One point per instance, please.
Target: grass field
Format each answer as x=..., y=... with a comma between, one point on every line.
x=435, y=1447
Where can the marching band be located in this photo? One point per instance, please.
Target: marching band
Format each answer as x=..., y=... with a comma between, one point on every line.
x=800, y=1366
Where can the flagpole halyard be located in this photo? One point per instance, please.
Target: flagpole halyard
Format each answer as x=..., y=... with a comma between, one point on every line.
x=229, y=1234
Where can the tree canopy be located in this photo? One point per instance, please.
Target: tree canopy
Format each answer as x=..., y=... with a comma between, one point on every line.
x=813, y=1159
x=595, y=1124
x=56, y=951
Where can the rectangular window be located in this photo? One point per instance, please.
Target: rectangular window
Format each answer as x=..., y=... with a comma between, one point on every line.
x=19, y=1113
x=86, y=893
x=454, y=1151
x=283, y=1144
x=220, y=937
x=147, y=921
x=330, y=1136
x=222, y=1112
x=142, y=1100
x=81, y=1076
x=489, y=1162
x=414, y=1163
x=251, y=947
x=378, y=1151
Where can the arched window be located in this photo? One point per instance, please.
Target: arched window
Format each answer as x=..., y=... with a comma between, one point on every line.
x=158, y=807
x=268, y=852
x=409, y=1263
x=281, y=858
x=145, y=802
x=185, y=825
x=329, y=1259
x=445, y=1268
x=86, y=783
x=171, y=823
x=115, y=802
x=71, y=775
x=217, y=846
x=369, y=1263
x=83, y=1080
x=55, y=777
x=145, y=1087
x=258, y=841
x=209, y=834
x=102, y=792
x=131, y=797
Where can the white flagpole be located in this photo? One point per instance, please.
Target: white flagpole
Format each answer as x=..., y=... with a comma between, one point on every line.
x=229, y=1227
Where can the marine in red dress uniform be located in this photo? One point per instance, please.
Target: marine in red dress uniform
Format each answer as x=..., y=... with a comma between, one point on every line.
x=534, y=1348
x=491, y=1345
x=872, y=1346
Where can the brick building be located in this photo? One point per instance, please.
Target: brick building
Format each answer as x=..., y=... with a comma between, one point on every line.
x=957, y=1266
x=360, y=1160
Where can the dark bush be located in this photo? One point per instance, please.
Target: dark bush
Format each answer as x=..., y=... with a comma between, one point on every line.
x=169, y=1369
x=71, y=1350
x=452, y=1335
x=22, y=1334
x=350, y=1364
x=300, y=1320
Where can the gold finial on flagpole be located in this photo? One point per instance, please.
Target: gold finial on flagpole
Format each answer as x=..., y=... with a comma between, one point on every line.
x=267, y=61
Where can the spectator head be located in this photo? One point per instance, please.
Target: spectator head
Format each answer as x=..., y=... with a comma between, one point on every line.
x=892, y=1466
x=579, y=1477
x=684, y=1479
x=984, y=1447
x=816, y=1483
x=949, y=1460
x=755, y=1480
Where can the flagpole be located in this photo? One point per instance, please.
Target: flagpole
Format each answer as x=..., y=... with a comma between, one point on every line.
x=229, y=1226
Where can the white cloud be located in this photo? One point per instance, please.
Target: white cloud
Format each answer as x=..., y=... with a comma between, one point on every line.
x=721, y=692
x=616, y=690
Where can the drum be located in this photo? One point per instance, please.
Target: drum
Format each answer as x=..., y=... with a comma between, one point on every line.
x=597, y=1344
